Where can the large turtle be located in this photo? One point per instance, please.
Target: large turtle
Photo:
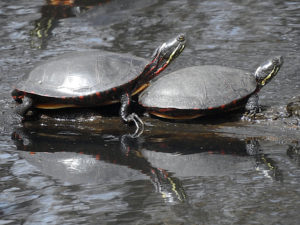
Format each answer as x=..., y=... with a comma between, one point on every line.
x=92, y=78
x=200, y=90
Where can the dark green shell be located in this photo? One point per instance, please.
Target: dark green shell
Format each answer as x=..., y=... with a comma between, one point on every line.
x=199, y=87
x=81, y=74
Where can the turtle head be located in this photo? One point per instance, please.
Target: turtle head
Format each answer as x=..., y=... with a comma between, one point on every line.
x=266, y=71
x=162, y=57
x=167, y=52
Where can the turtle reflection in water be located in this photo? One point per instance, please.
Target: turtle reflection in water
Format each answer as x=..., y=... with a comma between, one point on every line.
x=201, y=90
x=93, y=78
x=82, y=158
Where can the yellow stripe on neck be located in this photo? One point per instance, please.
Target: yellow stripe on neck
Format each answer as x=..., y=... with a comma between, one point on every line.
x=275, y=69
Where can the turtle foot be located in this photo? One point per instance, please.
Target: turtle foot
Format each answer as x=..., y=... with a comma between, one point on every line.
x=133, y=117
x=249, y=116
x=255, y=112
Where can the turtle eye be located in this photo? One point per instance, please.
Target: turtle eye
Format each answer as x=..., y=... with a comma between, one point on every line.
x=181, y=38
x=278, y=60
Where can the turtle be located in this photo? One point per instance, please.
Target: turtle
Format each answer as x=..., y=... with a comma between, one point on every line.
x=92, y=78
x=208, y=89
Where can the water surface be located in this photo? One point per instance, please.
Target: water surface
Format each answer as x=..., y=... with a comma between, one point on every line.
x=208, y=171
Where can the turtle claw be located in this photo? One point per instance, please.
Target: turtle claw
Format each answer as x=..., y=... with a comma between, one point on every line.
x=252, y=108
x=249, y=116
x=139, y=124
x=139, y=129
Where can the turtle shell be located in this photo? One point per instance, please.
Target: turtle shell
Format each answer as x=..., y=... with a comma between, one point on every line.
x=80, y=74
x=199, y=88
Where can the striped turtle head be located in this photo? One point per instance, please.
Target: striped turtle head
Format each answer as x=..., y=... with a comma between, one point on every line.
x=266, y=71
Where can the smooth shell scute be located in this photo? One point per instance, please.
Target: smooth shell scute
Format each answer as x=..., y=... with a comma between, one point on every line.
x=84, y=73
x=199, y=87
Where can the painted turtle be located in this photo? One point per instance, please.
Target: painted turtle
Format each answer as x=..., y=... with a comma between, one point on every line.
x=92, y=78
x=200, y=90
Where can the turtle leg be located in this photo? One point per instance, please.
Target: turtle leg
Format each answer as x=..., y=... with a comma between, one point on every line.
x=133, y=117
x=24, y=107
x=252, y=107
x=17, y=96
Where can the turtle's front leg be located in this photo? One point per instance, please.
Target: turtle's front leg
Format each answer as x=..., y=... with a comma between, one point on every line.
x=133, y=117
x=252, y=107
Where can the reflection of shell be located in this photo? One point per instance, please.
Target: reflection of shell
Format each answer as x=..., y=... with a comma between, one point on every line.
x=200, y=164
x=77, y=168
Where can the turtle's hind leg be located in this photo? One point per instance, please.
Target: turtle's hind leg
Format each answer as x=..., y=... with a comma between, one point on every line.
x=23, y=108
x=18, y=96
x=133, y=117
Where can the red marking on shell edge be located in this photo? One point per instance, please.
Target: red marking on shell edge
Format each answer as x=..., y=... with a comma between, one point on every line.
x=210, y=108
x=98, y=94
x=98, y=157
x=81, y=97
x=63, y=97
x=31, y=153
x=234, y=102
x=222, y=106
x=195, y=108
x=32, y=92
x=114, y=89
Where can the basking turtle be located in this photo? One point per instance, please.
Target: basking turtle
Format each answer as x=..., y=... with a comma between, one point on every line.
x=200, y=90
x=92, y=78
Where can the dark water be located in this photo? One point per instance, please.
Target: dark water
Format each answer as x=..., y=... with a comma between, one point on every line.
x=208, y=171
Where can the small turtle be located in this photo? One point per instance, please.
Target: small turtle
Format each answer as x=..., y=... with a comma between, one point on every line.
x=201, y=90
x=93, y=78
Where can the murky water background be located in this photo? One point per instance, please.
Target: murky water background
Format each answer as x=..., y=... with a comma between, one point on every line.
x=209, y=171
